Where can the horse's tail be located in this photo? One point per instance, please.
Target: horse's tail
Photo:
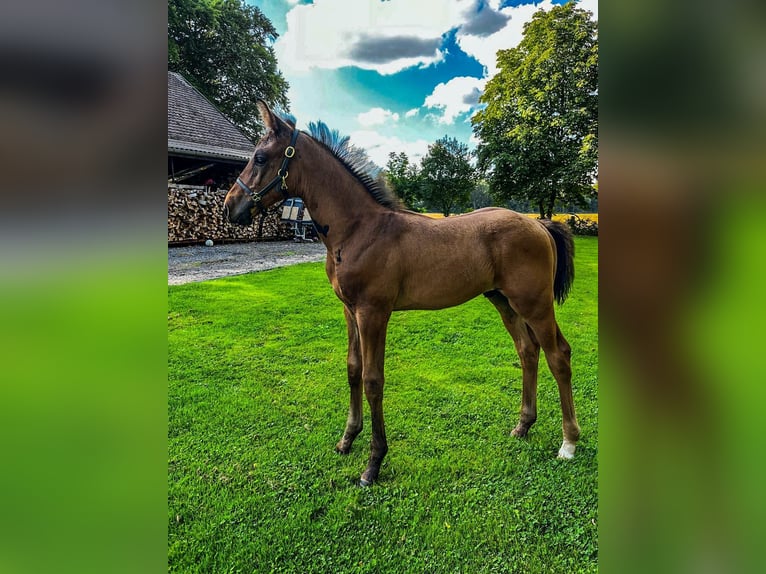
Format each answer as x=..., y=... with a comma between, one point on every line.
x=562, y=280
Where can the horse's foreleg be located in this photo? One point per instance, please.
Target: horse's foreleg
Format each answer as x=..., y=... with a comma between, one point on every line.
x=529, y=354
x=558, y=354
x=354, y=366
x=372, y=335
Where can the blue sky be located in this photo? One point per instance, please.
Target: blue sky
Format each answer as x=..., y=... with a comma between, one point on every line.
x=395, y=75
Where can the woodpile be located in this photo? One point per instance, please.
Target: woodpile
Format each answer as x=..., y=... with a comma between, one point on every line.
x=195, y=214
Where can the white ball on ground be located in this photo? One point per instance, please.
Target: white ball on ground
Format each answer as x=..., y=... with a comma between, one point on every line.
x=209, y=242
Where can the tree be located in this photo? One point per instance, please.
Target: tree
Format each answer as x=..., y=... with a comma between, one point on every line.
x=447, y=176
x=539, y=130
x=403, y=177
x=480, y=196
x=224, y=48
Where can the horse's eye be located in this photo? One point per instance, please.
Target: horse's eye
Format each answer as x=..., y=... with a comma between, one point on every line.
x=259, y=159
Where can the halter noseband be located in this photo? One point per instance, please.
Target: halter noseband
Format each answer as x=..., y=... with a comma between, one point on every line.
x=280, y=181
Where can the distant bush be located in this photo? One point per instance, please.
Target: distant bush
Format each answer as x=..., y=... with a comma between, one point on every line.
x=581, y=226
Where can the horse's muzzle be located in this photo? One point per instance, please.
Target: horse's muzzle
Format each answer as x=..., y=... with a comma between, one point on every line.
x=242, y=214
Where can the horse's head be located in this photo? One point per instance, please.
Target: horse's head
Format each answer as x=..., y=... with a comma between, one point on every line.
x=263, y=182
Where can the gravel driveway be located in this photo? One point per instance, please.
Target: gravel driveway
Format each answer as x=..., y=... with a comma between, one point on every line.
x=200, y=263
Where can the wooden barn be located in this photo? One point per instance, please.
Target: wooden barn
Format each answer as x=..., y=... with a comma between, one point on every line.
x=204, y=147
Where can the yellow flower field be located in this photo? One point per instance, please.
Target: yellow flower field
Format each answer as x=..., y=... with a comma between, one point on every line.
x=560, y=217
x=564, y=216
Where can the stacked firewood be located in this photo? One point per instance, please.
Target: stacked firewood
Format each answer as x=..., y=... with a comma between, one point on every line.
x=195, y=214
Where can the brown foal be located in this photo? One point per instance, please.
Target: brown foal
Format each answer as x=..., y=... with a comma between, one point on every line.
x=382, y=258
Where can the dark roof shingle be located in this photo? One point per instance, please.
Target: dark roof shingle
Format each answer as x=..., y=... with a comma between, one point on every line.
x=197, y=128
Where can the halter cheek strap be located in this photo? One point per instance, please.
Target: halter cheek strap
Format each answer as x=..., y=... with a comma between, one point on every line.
x=280, y=181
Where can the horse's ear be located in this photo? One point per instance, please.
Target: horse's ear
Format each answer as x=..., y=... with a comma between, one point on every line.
x=267, y=116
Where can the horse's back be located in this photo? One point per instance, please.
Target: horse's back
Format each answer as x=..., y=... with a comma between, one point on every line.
x=489, y=227
x=445, y=262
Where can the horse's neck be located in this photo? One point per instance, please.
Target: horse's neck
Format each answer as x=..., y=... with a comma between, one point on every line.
x=336, y=199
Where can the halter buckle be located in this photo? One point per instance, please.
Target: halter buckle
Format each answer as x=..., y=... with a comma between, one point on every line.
x=289, y=151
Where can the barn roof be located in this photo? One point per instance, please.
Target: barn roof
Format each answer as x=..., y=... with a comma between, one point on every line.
x=196, y=128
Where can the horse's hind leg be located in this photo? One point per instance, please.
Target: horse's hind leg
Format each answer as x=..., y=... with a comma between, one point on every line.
x=354, y=366
x=558, y=354
x=529, y=354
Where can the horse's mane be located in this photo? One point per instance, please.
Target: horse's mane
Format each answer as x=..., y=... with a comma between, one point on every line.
x=357, y=162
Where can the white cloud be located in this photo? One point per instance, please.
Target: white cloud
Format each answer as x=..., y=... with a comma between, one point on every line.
x=376, y=117
x=411, y=113
x=458, y=96
x=383, y=36
x=379, y=146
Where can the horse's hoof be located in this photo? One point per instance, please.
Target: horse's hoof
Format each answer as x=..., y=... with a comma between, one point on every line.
x=567, y=450
x=363, y=482
x=519, y=432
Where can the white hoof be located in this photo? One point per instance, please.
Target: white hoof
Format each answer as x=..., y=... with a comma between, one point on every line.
x=567, y=450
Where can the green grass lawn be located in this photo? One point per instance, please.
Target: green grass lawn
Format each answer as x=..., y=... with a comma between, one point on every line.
x=258, y=398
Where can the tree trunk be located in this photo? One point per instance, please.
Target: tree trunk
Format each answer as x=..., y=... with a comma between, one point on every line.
x=549, y=207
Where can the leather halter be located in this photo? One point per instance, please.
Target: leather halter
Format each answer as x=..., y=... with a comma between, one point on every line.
x=280, y=181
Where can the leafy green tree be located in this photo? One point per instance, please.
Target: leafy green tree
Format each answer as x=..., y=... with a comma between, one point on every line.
x=480, y=196
x=224, y=48
x=403, y=177
x=539, y=130
x=447, y=176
